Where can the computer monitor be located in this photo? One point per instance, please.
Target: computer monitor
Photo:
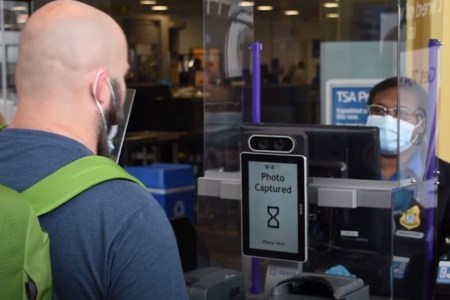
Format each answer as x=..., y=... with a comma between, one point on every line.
x=353, y=237
x=337, y=151
x=343, y=151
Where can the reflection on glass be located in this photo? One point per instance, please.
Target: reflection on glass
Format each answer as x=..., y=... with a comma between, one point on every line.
x=228, y=34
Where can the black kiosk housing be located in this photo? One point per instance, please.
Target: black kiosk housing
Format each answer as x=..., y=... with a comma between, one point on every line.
x=274, y=196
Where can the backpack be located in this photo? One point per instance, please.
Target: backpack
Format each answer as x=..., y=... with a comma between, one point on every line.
x=25, y=269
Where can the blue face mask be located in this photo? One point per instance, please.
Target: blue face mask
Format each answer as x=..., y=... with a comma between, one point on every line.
x=389, y=135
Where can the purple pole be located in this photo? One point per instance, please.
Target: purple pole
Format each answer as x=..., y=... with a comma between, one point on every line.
x=431, y=165
x=256, y=118
x=256, y=97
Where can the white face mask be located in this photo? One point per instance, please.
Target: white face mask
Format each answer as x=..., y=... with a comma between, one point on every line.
x=389, y=135
x=112, y=132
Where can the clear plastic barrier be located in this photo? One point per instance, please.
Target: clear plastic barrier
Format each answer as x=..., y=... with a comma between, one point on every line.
x=419, y=83
x=418, y=93
x=227, y=36
x=228, y=33
x=354, y=63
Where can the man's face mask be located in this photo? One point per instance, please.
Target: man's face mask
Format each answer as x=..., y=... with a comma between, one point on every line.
x=391, y=136
x=110, y=118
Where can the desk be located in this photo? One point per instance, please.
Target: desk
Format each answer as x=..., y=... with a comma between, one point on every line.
x=147, y=145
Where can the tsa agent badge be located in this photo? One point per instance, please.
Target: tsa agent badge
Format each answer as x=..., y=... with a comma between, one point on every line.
x=410, y=219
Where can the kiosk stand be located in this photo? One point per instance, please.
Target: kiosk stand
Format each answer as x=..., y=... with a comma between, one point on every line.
x=363, y=242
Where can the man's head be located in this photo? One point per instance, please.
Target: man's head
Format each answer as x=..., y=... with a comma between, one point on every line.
x=389, y=114
x=70, y=73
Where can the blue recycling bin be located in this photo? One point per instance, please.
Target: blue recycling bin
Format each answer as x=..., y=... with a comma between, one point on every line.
x=172, y=185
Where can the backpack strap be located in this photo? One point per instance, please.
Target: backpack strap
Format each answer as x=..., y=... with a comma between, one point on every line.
x=71, y=180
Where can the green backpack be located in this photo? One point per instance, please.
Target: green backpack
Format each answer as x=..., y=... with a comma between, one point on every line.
x=25, y=270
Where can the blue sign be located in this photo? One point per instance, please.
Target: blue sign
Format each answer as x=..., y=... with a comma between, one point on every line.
x=347, y=101
x=349, y=105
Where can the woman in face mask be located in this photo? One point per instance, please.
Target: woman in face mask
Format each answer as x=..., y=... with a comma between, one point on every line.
x=402, y=126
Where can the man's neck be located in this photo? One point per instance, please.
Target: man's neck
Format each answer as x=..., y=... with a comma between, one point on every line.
x=78, y=130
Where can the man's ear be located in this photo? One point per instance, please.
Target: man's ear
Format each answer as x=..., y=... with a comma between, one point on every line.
x=100, y=87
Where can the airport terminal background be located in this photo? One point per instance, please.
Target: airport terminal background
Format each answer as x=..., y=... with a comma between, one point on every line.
x=192, y=72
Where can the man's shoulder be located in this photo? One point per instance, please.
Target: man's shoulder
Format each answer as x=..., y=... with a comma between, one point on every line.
x=108, y=209
x=122, y=193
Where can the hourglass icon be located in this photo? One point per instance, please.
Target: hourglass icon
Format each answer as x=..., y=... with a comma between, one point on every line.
x=273, y=212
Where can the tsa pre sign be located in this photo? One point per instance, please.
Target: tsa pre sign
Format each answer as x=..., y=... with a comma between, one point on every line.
x=349, y=105
x=347, y=101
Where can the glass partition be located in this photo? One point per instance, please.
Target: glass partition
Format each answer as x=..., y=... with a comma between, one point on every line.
x=228, y=34
x=417, y=101
x=340, y=63
x=419, y=85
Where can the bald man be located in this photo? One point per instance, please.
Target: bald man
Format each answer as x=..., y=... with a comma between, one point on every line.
x=113, y=241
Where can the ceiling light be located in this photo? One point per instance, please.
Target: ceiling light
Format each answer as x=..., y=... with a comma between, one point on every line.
x=264, y=8
x=22, y=18
x=331, y=5
x=332, y=16
x=160, y=7
x=291, y=12
x=19, y=8
x=246, y=3
x=147, y=2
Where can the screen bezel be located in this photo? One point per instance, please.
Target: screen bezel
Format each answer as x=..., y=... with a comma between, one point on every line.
x=302, y=203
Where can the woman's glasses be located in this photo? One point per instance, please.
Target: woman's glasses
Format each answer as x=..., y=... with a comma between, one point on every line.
x=401, y=112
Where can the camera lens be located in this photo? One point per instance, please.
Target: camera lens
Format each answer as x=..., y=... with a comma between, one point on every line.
x=271, y=143
x=279, y=144
x=263, y=144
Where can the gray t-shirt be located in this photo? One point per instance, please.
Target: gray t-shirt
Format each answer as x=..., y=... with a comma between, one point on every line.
x=112, y=241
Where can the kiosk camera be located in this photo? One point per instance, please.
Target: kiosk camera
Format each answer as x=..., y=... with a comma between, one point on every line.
x=274, y=206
